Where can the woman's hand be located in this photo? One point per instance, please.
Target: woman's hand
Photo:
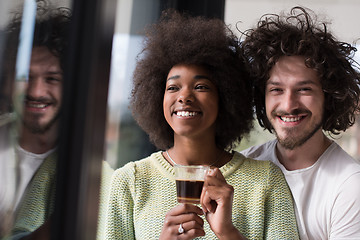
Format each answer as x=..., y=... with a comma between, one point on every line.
x=188, y=216
x=216, y=201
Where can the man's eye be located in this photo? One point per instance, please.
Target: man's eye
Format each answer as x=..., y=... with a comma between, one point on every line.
x=275, y=90
x=304, y=89
x=53, y=79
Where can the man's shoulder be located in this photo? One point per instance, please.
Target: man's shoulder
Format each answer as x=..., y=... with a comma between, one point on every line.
x=337, y=158
x=264, y=151
x=7, y=124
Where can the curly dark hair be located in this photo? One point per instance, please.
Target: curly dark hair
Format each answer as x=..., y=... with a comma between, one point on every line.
x=51, y=30
x=182, y=39
x=299, y=33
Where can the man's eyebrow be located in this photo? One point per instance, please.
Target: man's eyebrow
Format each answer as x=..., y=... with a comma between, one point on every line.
x=304, y=82
x=272, y=82
x=55, y=72
x=50, y=73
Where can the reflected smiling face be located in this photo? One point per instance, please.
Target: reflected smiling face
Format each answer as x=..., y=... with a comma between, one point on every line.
x=43, y=91
x=294, y=101
x=190, y=102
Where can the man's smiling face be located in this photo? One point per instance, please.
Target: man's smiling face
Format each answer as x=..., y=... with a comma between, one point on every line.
x=294, y=101
x=43, y=91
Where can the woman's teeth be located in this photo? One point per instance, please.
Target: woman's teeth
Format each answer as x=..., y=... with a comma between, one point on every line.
x=186, y=114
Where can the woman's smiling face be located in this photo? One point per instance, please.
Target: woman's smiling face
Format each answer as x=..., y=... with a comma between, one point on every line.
x=190, y=102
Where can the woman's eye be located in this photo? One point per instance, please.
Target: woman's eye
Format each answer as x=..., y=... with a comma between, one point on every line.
x=202, y=87
x=171, y=88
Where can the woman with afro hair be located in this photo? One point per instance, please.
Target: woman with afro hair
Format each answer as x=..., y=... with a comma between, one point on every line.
x=193, y=98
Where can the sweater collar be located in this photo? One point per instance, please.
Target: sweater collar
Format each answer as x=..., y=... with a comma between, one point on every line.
x=167, y=169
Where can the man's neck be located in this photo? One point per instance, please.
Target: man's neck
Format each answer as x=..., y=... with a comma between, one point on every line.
x=38, y=143
x=305, y=155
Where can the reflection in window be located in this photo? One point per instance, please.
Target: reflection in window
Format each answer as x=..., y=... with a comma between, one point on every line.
x=125, y=140
x=16, y=57
x=32, y=57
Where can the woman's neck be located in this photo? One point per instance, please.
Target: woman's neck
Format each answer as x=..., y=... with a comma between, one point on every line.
x=197, y=153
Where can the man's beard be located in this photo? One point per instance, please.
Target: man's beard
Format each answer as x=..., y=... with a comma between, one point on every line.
x=31, y=121
x=291, y=141
x=35, y=127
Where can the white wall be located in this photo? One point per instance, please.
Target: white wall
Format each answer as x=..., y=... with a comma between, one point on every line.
x=344, y=14
x=8, y=7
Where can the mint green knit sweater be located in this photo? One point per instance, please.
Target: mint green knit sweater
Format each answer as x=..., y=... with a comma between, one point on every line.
x=39, y=200
x=143, y=192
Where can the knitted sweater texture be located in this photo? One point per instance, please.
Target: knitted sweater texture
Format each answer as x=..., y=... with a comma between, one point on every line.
x=39, y=201
x=142, y=192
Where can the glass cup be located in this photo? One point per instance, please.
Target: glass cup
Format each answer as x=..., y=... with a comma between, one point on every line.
x=189, y=182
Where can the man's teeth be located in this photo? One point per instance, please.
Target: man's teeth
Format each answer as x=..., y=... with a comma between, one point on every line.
x=37, y=105
x=186, y=114
x=290, y=119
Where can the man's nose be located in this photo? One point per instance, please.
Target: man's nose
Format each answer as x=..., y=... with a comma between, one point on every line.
x=36, y=87
x=290, y=102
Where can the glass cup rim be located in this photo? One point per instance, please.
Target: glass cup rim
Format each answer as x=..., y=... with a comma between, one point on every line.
x=192, y=166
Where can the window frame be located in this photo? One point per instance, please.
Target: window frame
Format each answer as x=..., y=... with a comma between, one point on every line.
x=82, y=129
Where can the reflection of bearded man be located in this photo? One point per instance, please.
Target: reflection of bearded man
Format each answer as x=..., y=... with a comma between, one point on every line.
x=43, y=92
x=32, y=121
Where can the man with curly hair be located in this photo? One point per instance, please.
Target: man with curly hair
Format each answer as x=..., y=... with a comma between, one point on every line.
x=36, y=104
x=37, y=101
x=40, y=115
x=192, y=98
x=307, y=83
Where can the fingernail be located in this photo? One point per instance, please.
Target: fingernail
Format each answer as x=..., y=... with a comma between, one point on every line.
x=204, y=211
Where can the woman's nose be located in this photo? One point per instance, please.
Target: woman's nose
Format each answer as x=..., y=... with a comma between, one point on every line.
x=186, y=96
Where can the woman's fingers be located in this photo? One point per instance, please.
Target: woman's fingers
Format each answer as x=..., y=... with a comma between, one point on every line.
x=207, y=203
x=215, y=178
x=214, y=196
x=215, y=172
x=185, y=208
x=183, y=222
x=216, y=201
x=215, y=191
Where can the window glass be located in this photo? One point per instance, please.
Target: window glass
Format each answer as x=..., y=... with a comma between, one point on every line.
x=31, y=77
x=125, y=140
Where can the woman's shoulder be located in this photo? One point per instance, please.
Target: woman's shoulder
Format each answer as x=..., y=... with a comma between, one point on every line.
x=253, y=166
x=139, y=167
x=253, y=163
